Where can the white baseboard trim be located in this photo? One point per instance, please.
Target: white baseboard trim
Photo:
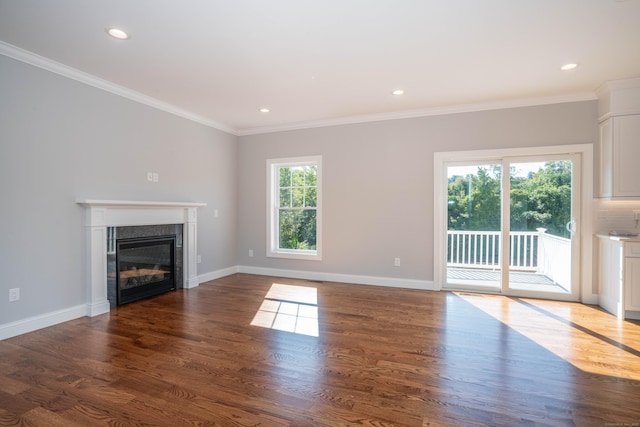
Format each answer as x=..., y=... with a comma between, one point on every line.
x=342, y=278
x=192, y=283
x=205, y=277
x=31, y=324
x=97, y=308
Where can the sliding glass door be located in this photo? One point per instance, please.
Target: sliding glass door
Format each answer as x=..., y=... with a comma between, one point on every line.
x=511, y=226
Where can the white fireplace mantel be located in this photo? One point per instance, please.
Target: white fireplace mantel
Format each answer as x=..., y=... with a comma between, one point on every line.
x=100, y=214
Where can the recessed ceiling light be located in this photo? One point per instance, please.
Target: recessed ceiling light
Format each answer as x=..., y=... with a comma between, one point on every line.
x=264, y=110
x=398, y=92
x=117, y=34
x=567, y=67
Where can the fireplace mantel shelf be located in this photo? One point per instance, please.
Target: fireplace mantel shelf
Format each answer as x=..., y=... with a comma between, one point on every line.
x=138, y=204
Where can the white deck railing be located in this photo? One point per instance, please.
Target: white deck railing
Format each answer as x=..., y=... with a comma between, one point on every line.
x=480, y=249
x=554, y=258
x=477, y=249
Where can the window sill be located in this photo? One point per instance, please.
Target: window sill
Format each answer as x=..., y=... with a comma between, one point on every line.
x=308, y=256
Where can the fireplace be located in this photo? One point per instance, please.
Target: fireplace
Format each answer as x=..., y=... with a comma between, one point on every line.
x=102, y=216
x=145, y=267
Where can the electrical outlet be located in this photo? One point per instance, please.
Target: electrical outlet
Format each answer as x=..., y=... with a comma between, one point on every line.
x=198, y=259
x=636, y=215
x=14, y=294
x=396, y=262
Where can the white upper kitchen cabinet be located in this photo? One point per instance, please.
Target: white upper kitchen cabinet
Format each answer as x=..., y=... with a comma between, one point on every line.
x=619, y=111
x=620, y=157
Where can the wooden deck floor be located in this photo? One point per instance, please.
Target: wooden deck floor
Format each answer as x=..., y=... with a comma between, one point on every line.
x=529, y=281
x=381, y=357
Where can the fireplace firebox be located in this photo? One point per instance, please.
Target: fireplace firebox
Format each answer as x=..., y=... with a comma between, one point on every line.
x=145, y=267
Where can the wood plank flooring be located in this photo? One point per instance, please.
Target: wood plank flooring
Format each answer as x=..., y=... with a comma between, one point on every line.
x=381, y=357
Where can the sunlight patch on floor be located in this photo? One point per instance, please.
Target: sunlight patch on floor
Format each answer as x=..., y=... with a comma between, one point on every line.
x=582, y=341
x=289, y=308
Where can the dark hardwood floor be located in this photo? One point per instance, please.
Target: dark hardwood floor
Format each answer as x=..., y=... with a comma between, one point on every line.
x=381, y=357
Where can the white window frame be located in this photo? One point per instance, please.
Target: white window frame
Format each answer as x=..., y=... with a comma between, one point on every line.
x=440, y=163
x=273, y=249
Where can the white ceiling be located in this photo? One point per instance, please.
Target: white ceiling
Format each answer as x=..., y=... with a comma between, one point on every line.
x=318, y=62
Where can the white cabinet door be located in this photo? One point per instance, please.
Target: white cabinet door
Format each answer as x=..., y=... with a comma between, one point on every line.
x=610, y=277
x=632, y=283
x=626, y=156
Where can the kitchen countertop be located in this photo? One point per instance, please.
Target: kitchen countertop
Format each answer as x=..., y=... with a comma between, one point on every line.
x=618, y=238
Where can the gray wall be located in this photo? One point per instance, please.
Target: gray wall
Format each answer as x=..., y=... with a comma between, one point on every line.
x=61, y=140
x=378, y=182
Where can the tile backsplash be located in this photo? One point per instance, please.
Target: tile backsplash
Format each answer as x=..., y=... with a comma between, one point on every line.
x=615, y=215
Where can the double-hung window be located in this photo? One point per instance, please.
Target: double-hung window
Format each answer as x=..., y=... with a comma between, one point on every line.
x=294, y=208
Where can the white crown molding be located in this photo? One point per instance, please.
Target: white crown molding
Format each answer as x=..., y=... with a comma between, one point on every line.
x=438, y=111
x=607, y=87
x=618, y=98
x=36, y=60
x=31, y=58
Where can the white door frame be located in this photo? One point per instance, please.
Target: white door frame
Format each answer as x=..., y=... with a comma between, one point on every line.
x=585, y=255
